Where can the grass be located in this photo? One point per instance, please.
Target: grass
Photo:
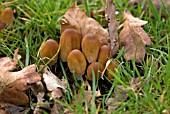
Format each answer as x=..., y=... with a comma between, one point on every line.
x=35, y=21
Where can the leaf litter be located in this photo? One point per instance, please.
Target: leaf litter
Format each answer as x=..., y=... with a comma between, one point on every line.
x=112, y=25
x=6, y=108
x=133, y=38
x=52, y=82
x=13, y=84
x=77, y=19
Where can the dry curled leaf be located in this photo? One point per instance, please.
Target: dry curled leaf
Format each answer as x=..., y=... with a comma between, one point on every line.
x=112, y=25
x=57, y=93
x=14, y=83
x=21, y=78
x=39, y=92
x=53, y=83
x=77, y=19
x=10, y=95
x=133, y=37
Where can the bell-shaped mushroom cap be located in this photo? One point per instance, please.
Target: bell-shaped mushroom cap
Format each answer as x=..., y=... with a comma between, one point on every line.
x=104, y=54
x=48, y=50
x=69, y=40
x=7, y=16
x=112, y=66
x=76, y=62
x=97, y=68
x=90, y=47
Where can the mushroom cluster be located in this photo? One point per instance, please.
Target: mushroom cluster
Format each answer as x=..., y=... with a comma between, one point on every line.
x=83, y=55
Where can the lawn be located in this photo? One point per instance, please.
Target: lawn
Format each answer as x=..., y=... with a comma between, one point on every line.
x=137, y=87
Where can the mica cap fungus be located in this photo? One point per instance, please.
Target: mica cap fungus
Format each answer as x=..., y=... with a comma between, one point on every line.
x=48, y=50
x=7, y=17
x=112, y=66
x=76, y=62
x=90, y=47
x=69, y=40
x=98, y=69
x=104, y=54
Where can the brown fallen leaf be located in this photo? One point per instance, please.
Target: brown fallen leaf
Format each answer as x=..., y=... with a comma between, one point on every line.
x=52, y=82
x=7, y=64
x=39, y=91
x=77, y=19
x=20, y=78
x=133, y=37
x=114, y=102
x=11, y=109
x=3, y=112
x=10, y=95
x=113, y=25
x=57, y=93
x=14, y=83
x=30, y=77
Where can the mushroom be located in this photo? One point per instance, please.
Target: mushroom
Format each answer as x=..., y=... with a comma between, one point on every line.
x=112, y=66
x=90, y=47
x=6, y=18
x=97, y=68
x=49, y=51
x=104, y=54
x=76, y=62
x=69, y=40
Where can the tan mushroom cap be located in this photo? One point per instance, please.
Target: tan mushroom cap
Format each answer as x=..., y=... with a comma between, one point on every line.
x=90, y=47
x=69, y=40
x=7, y=16
x=76, y=62
x=104, y=54
x=97, y=68
x=112, y=66
x=49, y=49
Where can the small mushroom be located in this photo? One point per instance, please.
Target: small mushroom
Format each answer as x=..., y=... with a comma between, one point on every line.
x=6, y=18
x=90, y=47
x=48, y=50
x=69, y=40
x=112, y=66
x=76, y=62
x=97, y=68
x=104, y=54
